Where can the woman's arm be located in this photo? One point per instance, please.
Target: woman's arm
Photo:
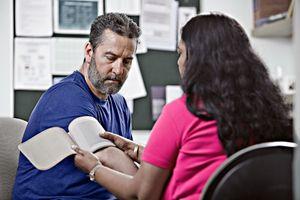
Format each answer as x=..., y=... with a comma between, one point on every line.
x=147, y=183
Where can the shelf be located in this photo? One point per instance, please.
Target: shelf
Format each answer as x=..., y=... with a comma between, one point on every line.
x=280, y=28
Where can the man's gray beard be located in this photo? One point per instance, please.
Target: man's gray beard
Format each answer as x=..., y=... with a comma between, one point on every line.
x=98, y=81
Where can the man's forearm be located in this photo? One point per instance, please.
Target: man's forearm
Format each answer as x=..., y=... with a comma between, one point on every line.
x=116, y=159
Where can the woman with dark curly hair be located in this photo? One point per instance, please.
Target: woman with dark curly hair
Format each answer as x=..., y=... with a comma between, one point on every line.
x=229, y=103
x=224, y=73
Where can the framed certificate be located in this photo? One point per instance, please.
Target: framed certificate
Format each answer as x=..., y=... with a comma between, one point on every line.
x=75, y=16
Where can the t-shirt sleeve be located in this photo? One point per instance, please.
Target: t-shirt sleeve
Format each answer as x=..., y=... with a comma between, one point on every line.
x=163, y=145
x=64, y=104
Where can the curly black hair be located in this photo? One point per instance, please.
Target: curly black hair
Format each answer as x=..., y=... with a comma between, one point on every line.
x=225, y=80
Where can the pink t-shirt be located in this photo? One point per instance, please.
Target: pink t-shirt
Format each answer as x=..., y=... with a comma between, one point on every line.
x=188, y=146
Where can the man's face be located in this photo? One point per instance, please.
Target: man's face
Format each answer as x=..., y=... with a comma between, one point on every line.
x=110, y=62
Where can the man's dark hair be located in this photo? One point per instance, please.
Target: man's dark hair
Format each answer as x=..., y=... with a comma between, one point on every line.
x=226, y=81
x=116, y=22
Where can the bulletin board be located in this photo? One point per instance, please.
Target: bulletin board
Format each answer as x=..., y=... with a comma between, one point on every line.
x=158, y=68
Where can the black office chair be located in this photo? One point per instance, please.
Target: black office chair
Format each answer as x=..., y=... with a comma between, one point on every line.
x=258, y=172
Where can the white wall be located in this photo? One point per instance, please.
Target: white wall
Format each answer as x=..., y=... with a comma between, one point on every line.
x=6, y=58
x=273, y=51
x=297, y=99
x=297, y=61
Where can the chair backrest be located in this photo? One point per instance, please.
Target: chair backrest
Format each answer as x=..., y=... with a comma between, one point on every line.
x=11, y=132
x=296, y=170
x=260, y=172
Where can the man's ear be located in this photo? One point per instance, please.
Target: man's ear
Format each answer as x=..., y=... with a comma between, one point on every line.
x=88, y=52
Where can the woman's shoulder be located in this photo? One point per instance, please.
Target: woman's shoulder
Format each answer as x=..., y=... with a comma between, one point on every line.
x=177, y=107
x=178, y=110
x=176, y=103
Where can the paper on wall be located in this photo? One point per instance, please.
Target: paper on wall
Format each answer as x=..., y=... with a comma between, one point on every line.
x=68, y=54
x=130, y=103
x=129, y=7
x=74, y=16
x=184, y=15
x=32, y=64
x=33, y=18
x=158, y=23
x=134, y=85
x=173, y=92
x=142, y=46
x=158, y=98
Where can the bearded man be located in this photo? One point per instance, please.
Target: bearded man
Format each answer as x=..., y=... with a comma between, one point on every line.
x=91, y=91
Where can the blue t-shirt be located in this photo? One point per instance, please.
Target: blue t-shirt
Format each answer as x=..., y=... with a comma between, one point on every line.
x=58, y=106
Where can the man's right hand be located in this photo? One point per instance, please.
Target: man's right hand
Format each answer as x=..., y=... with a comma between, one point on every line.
x=133, y=150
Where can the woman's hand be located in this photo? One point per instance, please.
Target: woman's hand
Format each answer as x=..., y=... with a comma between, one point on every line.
x=85, y=160
x=133, y=150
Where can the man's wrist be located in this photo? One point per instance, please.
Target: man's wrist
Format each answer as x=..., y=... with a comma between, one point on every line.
x=103, y=155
